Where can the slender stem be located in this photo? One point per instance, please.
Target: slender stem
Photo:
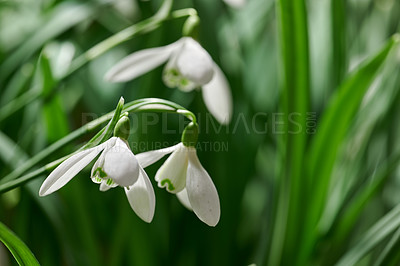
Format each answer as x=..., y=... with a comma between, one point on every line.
x=18, y=103
x=118, y=38
x=150, y=105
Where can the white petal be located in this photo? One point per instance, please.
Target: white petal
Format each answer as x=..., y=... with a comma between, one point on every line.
x=149, y=157
x=120, y=164
x=172, y=174
x=203, y=195
x=184, y=199
x=95, y=174
x=194, y=63
x=68, y=169
x=173, y=78
x=140, y=62
x=218, y=98
x=141, y=197
x=104, y=187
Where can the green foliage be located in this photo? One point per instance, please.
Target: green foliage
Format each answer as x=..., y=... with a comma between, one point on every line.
x=307, y=172
x=18, y=249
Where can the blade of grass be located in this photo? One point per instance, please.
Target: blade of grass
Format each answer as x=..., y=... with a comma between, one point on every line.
x=18, y=249
x=390, y=254
x=293, y=36
x=375, y=113
x=374, y=236
x=347, y=219
x=331, y=132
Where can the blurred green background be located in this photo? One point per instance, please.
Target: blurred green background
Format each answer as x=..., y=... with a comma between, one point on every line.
x=79, y=225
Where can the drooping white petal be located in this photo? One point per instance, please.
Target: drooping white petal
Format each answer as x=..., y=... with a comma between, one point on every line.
x=120, y=164
x=184, y=199
x=194, y=63
x=68, y=169
x=172, y=174
x=149, y=157
x=140, y=62
x=141, y=197
x=203, y=195
x=218, y=97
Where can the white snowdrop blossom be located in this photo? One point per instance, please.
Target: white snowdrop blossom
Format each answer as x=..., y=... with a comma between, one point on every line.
x=116, y=166
x=189, y=66
x=182, y=174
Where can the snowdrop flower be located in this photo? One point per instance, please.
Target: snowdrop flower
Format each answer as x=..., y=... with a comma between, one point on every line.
x=189, y=66
x=182, y=174
x=116, y=166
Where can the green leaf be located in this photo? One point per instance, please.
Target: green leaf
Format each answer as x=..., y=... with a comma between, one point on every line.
x=44, y=79
x=295, y=102
x=18, y=249
x=338, y=26
x=332, y=130
x=348, y=218
x=55, y=119
x=390, y=254
x=370, y=239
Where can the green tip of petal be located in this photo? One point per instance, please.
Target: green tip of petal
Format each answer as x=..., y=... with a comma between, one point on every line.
x=170, y=186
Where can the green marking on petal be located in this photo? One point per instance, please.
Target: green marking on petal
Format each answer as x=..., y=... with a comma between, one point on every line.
x=174, y=72
x=184, y=82
x=100, y=172
x=169, y=183
x=109, y=182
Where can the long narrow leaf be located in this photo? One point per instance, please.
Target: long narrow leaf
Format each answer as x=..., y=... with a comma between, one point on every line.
x=295, y=105
x=390, y=254
x=383, y=228
x=332, y=130
x=18, y=249
x=339, y=56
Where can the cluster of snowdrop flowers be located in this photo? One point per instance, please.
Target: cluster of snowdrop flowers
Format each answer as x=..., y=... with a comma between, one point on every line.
x=189, y=66
x=182, y=174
